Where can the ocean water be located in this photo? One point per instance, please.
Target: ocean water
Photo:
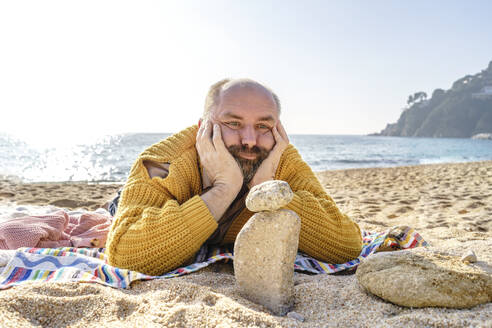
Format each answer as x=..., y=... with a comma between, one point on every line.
x=109, y=158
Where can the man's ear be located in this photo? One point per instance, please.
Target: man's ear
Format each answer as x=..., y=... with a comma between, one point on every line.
x=200, y=122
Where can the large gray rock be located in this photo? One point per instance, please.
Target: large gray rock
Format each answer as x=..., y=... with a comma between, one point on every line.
x=269, y=196
x=264, y=255
x=426, y=277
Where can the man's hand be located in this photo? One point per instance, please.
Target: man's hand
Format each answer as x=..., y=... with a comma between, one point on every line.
x=268, y=167
x=221, y=168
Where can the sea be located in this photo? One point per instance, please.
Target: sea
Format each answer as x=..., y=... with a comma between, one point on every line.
x=108, y=159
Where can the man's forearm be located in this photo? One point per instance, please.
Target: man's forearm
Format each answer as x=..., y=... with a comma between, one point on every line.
x=218, y=199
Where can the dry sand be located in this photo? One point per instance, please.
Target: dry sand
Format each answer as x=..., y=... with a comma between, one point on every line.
x=450, y=205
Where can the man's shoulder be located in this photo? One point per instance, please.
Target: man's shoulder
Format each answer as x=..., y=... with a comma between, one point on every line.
x=173, y=147
x=177, y=150
x=291, y=154
x=291, y=163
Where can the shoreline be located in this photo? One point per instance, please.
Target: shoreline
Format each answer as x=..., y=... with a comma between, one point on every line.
x=17, y=179
x=449, y=205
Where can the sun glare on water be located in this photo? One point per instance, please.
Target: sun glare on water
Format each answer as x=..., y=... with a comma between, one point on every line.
x=57, y=139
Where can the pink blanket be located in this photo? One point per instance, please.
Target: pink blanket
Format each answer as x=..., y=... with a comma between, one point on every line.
x=58, y=229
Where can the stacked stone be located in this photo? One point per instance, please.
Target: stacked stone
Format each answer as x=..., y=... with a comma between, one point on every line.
x=266, y=248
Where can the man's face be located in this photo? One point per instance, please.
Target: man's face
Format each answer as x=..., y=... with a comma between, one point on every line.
x=246, y=116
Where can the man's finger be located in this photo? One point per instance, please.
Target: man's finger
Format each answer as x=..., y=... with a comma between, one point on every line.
x=217, y=139
x=205, y=128
x=276, y=135
x=200, y=131
x=198, y=143
x=208, y=130
x=280, y=143
x=205, y=138
x=282, y=132
x=279, y=139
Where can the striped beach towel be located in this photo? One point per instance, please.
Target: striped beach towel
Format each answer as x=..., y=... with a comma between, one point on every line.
x=90, y=264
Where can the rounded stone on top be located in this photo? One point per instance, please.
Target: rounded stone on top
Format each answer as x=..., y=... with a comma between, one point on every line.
x=269, y=196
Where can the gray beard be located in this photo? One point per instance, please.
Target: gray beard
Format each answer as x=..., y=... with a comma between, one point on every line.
x=248, y=166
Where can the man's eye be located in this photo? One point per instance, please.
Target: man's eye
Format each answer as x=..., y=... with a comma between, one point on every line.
x=233, y=124
x=263, y=127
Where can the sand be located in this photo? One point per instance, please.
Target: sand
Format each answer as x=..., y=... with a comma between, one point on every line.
x=450, y=205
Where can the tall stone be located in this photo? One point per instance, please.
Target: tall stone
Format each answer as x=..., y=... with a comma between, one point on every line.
x=266, y=248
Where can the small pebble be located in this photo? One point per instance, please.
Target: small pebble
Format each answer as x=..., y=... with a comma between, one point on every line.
x=469, y=257
x=296, y=316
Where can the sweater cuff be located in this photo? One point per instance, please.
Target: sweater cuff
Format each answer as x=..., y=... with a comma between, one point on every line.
x=200, y=221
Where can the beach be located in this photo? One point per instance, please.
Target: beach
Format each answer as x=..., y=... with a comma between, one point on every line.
x=449, y=205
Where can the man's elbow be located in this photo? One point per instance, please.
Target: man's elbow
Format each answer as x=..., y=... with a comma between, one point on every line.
x=153, y=261
x=355, y=251
x=128, y=262
x=120, y=256
x=349, y=248
x=114, y=259
x=354, y=243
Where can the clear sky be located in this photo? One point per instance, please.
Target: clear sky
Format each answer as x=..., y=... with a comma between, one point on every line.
x=70, y=70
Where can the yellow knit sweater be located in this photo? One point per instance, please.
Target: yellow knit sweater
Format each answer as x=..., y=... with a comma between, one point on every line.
x=162, y=223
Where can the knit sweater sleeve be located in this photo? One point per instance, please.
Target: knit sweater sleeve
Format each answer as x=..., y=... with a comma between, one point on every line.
x=152, y=232
x=326, y=233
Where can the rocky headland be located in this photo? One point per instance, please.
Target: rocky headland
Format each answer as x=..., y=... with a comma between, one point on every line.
x=463, y=111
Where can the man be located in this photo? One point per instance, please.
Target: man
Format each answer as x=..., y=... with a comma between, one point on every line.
x=189, y=189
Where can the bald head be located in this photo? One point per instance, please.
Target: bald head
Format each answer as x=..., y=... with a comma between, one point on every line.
x=236, y=89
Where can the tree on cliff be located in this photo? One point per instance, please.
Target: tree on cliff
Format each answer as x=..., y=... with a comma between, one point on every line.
x=416, y=97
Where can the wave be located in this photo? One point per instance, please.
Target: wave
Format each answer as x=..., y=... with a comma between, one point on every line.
x=369, y=161
x=362, y=161
x=450, y=159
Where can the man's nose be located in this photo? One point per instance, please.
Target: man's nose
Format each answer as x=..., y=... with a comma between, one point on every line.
x=248, y=137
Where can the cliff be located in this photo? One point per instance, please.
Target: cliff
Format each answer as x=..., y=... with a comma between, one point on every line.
x=463, y=111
